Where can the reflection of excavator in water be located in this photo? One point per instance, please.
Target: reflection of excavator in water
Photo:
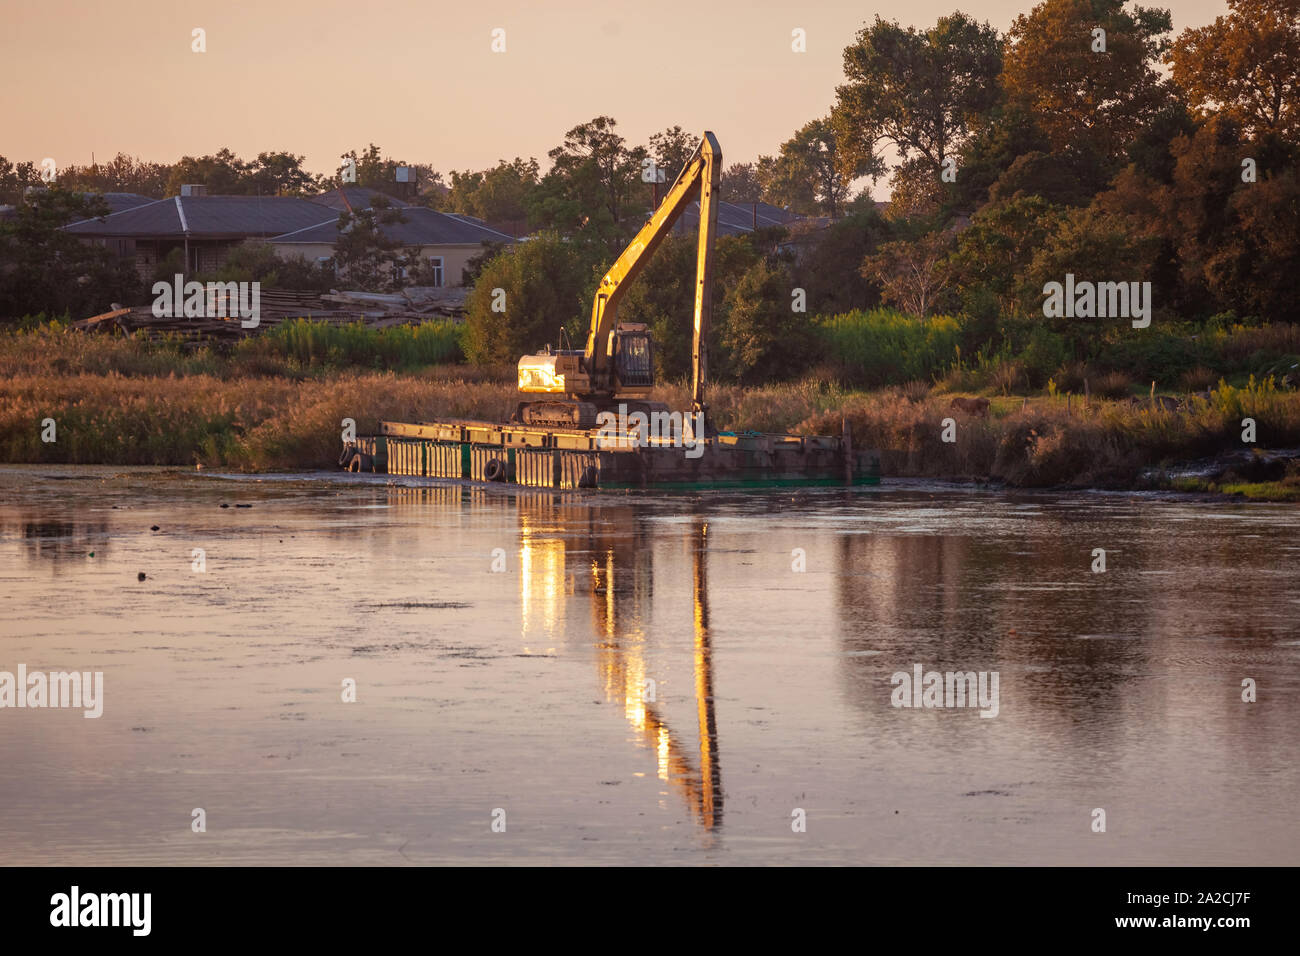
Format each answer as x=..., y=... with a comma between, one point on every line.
x=617, y=366
x=623, y=666
x=568, y=546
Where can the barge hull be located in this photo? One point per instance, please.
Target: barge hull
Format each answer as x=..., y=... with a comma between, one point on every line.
x=540, y=457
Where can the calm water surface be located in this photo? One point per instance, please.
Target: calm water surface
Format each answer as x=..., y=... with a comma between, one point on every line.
x=525, y=689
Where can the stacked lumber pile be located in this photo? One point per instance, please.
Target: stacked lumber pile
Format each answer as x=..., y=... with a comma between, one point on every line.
x=374, y=309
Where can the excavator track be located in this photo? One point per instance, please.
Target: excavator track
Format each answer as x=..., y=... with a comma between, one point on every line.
x=568, y=414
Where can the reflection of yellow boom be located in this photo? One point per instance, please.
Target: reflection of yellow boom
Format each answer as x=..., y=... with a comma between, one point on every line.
x=623, y=666
x=617, y=366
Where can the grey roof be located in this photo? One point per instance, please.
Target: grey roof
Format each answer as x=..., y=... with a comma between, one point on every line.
x=737, y=218
x=119, y=202
x=424, y=227
x=211, y=217
x=359, y=197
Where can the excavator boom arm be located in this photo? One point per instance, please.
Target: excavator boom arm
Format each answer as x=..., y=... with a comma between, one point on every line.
x=699, y=177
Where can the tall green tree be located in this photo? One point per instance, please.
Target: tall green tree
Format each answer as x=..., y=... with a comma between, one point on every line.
x=1084, y=97
x=524, y=297
x=671, y=149
x=810, y=174
x=739, y=183
x=595, y=169
x=45, y=269
x=121, y=174
x=364, y=253
x=280, y=174
x=376, y=171
x=500, y=194
x=222, y=172
x=763, y=337
x=917, y=90
x=15, y=178
x=1245, y=65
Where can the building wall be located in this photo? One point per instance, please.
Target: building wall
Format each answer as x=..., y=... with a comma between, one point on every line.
x=205, y=256
x=454, y=257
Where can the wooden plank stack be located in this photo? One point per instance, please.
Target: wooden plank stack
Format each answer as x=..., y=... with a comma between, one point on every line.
x=374, y=309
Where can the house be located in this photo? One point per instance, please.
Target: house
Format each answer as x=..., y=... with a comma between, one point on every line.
x=206, y=228
x=446, y=240
x=117, y=202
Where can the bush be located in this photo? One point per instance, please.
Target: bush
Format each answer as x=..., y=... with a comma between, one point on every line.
x=885, y=347
x=1112, y=385
x=541, y=285
x=316, y=344
x=763, y=337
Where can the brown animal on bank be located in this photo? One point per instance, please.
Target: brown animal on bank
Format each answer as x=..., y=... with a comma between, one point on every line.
x=972, y=406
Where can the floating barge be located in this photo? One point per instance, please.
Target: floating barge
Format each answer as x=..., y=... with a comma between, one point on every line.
x=537, y=457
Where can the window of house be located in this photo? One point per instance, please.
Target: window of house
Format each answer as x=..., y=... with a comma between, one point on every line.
x=435, y=268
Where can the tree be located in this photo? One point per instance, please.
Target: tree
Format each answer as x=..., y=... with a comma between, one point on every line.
x=1094, y=246
x=991, y=256
x=45, y=269
x=499, y=194
x=375, y=171
x=1245, y=65
x=1238, y=242
x=15, y=178
x=594, y=167
x=280, y=174
x=255, y=261
x=739, y=183
x=810, y=172
x=672, y=149
x=913, y=273
x=1080, y=97
x=831, y=272
x=370, y=260
x=764, y=339
x=524, y=297
x=121, y=174
x=919, y=91
x=223, y=173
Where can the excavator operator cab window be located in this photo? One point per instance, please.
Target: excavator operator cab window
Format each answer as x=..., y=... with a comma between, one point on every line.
x=634, y=353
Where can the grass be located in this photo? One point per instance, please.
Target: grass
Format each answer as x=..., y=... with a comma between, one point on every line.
x=294, y=349
x=1254, y=490
x=278, y=401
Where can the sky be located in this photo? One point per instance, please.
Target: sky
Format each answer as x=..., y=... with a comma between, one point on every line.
x=421, y=80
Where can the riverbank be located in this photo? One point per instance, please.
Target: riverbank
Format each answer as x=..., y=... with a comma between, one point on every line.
x=260, y=424
x=267, y=408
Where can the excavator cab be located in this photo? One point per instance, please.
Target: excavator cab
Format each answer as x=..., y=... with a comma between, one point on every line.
x=634, y=359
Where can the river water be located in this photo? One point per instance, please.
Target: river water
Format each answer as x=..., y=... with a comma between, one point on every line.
x=640, y=677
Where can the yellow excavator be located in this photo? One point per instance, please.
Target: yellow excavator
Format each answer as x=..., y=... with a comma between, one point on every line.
x=568, y=388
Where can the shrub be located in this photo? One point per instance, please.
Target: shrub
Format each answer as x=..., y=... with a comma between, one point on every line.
x=541, y=282
x=1112, y=385
x=764, y=338
x=884, y=347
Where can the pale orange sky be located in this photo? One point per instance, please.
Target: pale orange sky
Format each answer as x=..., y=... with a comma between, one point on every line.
x=419, y=78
